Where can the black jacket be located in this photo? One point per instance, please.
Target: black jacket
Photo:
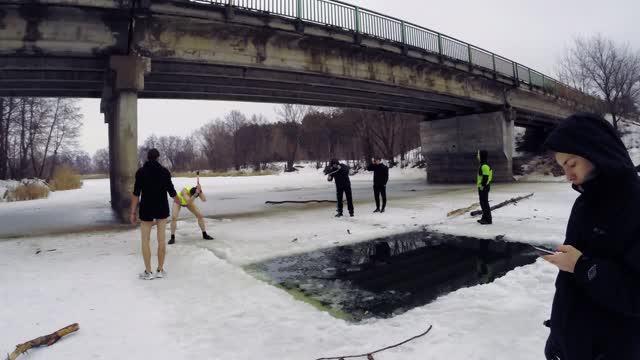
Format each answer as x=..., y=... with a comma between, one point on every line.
x=153, y=181
x=341, y=177
x=596, y=310
x=380, y=174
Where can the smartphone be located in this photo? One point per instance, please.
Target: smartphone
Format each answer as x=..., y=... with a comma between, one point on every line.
x=544, y=250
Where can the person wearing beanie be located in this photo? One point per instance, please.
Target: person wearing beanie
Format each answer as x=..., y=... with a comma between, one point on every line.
x=152, y=184
x=596, y=307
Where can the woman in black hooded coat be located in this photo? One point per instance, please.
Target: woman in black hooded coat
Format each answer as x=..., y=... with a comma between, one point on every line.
x=596, y=307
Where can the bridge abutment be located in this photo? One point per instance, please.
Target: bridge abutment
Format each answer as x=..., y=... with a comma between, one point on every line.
x=120, y=107
x=450, y=146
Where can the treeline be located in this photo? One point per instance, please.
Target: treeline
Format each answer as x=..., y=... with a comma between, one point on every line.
x=37, y=135
x=300, y=133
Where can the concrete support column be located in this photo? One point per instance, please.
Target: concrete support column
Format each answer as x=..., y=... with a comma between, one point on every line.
x=120, y=106
x=124, y=145
x=450, y=146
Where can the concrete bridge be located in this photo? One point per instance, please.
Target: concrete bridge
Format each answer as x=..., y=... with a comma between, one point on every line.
x=317, y=52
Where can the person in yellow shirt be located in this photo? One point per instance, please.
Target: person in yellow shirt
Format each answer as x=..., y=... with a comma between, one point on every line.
x=187, y=197
x=485, y=175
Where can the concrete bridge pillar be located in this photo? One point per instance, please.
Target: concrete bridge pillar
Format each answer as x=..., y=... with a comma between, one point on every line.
x=120, y=107
x=450, y=146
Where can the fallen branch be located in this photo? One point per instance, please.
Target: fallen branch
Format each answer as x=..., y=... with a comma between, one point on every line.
x=370, y=355
x=463, y=210
x=47, y=340
x=300, y=201
x=504, y=203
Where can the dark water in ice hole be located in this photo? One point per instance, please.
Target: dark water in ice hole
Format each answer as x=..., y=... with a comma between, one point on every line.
x=385, y=277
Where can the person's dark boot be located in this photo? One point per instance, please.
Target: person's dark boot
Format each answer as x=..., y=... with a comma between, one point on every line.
x=172, y=240
x=376, y=210
x=206, y=236
x=485, y=222
x=382, y=210
x=351, y=214
x=339, y=215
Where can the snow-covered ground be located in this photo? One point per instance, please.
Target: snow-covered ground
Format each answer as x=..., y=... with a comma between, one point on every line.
x=209, y=308
x=228, y=197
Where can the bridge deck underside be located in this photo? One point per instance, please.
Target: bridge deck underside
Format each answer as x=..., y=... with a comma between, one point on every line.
x=85, y=78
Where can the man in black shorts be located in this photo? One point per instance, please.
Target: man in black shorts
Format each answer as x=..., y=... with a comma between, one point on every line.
x=153, y=181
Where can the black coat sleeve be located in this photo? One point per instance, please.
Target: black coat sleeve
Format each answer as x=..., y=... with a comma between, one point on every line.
x=370, y=167
x=615, y=286
x=137, y=186
x=385, y=173
x=169, y=185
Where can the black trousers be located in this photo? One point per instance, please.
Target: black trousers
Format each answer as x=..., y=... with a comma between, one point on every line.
x=484, y=202
x=377, y=191
x=339, y=194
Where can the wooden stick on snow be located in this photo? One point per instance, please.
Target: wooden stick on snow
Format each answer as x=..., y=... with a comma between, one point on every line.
x=47, y=340
x=504, y=203
x=463, y=210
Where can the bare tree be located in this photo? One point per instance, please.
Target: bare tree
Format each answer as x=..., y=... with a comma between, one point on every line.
x=362, y=126
x=186, y=157
x=8, y=108
x=383, y=129
x=32, y=127
x=52, y=126
x=234, y=121
x=169, y=147
x=291, y=116
x=82, y=162
x=67, y=130
x=216, y=144
x=409, y=135
x=315, y=137
x=101, y=161
x=602, y=68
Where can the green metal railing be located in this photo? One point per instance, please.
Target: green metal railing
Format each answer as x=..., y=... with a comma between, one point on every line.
x=348, y=17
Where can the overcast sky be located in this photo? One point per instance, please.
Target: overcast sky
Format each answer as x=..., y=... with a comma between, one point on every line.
x=533, y=33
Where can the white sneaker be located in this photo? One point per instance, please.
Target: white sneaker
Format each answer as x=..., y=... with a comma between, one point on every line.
x=160, y=274
x=146, y=275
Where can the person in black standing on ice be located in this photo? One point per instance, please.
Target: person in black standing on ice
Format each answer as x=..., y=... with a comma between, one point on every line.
x=340, y=174
x=380, y=178
x=485, y=176
x=153, y=182
x=596, y=307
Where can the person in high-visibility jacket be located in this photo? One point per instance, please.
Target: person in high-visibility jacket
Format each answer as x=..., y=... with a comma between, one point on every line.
x=187, y=197
x=485, y=175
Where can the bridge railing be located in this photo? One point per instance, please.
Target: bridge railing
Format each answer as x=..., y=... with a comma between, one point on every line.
x=349, y=17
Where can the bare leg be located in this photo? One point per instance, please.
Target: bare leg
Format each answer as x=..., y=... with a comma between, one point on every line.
x=174, y=218
x=145, y=230
x=162, y=242
x=196, y=211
